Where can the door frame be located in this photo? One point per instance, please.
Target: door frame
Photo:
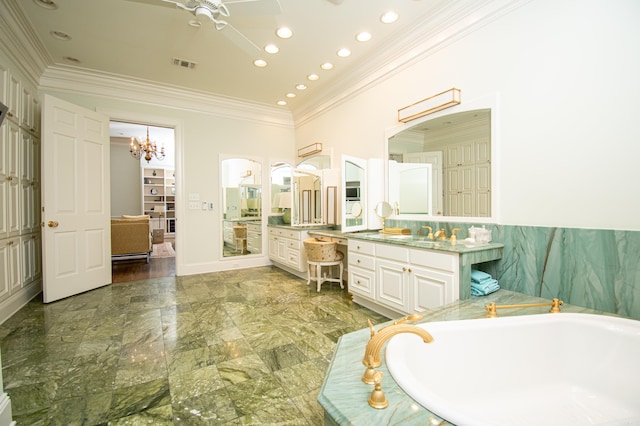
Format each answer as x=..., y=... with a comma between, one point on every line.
x=178, y=126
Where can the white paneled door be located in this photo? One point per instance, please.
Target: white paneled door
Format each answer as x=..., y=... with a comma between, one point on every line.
x=75, y=199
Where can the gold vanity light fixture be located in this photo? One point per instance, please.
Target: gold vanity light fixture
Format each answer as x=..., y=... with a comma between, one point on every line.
x=432, y=104
x=314, y=148
x=146, y=149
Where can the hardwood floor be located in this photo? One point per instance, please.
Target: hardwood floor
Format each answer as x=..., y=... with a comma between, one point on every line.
x=133, y=270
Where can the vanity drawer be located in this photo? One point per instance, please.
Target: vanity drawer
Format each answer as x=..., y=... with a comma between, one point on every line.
x=393, y=252
x=362, y=261
x=361, y=282
x=434, y=260
x=359, y=246
x=294, y=244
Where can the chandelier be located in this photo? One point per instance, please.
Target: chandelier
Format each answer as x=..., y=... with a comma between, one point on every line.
x=146, y=149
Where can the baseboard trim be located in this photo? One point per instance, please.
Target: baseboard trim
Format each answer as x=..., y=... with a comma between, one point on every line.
x=16, y=301
x=5, y=410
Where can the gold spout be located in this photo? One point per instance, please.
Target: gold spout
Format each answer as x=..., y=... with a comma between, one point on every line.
x=441, y=234
x=430, y=236
x=374, y=346
x=492, y=308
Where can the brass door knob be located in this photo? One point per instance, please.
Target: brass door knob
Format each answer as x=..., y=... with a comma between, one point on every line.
x=52, y=224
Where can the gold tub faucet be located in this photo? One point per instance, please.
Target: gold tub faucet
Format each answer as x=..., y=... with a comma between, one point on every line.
x=374, y=346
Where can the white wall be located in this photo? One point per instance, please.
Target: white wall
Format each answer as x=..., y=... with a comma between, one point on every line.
x=203, y=137
x=566, y=76
x=126, y=193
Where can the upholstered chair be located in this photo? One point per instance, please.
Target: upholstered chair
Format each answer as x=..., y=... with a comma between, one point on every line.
x=319, y=254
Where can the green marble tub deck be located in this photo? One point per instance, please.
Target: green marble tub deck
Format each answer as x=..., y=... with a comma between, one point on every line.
x=344, y=396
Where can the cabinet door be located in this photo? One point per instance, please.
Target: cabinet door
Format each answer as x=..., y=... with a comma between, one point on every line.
x=5, y=272
x=391, y=284
x=431, y=289
x=273, y=247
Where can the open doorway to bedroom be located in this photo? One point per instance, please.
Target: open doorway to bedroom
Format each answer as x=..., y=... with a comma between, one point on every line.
x=143, y=188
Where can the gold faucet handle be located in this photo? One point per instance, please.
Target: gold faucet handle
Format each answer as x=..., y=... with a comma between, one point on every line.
x=377, y=398
x=453, y=234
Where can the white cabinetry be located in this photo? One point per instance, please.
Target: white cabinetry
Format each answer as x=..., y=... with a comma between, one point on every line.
x=20, y=206
x=394, y=279
x=254, y=237
x=286, y=249
x=468, y=183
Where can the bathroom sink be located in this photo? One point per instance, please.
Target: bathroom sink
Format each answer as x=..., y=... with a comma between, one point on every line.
x=552, y=369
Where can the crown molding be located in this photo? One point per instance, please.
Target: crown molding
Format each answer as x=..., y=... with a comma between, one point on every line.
x=68, y=79
x=448, y=22
x=27, y=51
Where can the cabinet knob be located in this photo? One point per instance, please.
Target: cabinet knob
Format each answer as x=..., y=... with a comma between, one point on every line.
x=404, y=269
x=358, y=261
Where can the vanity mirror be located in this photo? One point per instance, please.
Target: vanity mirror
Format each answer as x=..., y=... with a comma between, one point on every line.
x=241, y=206
x=444, y=164
x=281, y=199
x=354, y=194
x=307, y=198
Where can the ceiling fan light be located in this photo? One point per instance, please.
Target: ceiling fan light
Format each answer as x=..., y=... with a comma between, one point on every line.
x=220, y=24
x=203, y=11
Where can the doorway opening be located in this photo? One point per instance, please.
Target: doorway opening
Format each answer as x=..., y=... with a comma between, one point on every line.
x=144, y=188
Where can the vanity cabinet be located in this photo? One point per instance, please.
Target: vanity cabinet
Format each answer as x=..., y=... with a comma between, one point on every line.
x=286, y=249
x=254, y=237
x=394, y=279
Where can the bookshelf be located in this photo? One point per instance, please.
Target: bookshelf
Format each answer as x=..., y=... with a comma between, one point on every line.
x=159, y=190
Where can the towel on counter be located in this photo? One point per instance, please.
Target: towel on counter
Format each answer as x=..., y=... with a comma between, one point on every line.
x=479, y=276
x=484, y=288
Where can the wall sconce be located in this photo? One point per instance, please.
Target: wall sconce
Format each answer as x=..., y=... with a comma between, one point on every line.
x=435, y=103
x=314, y=148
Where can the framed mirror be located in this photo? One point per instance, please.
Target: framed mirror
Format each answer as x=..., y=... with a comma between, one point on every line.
x=306, y=189
x=281, y=198
x=443, y=166
x=241, y=204
x=354, y=194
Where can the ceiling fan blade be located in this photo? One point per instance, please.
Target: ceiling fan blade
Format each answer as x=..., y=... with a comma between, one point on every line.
x=240, y=40
x=162, y=3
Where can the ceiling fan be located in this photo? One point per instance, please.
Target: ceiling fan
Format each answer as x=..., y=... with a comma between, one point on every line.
x=217, y=11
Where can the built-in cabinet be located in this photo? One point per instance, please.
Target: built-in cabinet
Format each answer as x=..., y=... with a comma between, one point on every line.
x=159, y=198
x=286, y=249
x=468, y=183
x=20, y=205
x=254, y=237
x=395, y=279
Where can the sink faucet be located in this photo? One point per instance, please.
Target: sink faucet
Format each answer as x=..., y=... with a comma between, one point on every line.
x=430, y=236
x=453, y=234
x=441, y=234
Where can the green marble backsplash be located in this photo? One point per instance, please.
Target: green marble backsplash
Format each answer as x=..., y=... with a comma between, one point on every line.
x=594, y=268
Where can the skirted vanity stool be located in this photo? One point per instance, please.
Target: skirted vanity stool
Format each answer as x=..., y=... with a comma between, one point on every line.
x=240, y=238
x=319, y=254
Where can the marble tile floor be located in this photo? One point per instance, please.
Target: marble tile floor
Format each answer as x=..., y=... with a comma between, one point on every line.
x=237, y=347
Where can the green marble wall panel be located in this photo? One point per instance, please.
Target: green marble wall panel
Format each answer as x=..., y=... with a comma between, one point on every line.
x=594, y=268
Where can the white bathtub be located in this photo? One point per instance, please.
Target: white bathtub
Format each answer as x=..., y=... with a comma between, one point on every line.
x=549, y=369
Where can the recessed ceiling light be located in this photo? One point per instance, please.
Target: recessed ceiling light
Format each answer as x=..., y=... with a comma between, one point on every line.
x=60, y=35
x=195, y=23
x=301, y=86
x=389, y=17
x=271, y=48
x=47, y=4
x=327, y=66
x=344, y=52
x=284, y=32
x=71, y=59
x=260, y=63
x=291, y=95
x=312, y=77
x=282, y=103
x=363, y=36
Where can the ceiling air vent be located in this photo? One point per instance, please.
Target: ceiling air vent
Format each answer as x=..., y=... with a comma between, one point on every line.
x=184, y=63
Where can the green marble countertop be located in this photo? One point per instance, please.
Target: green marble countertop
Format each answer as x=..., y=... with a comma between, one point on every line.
x=422, y=242
x=344, y=396
x=301, y=227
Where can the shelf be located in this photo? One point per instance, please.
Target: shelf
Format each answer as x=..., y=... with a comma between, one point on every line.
x=164, y=184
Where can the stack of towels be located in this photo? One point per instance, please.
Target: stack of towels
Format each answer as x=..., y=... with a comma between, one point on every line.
x=482, y=283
